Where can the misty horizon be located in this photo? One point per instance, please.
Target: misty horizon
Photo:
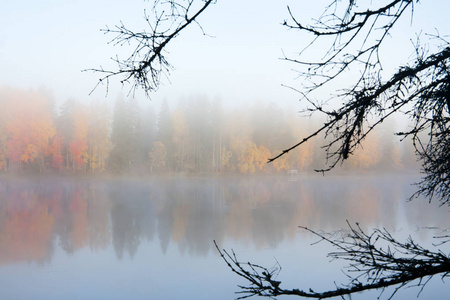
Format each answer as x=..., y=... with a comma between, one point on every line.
x=196, y=136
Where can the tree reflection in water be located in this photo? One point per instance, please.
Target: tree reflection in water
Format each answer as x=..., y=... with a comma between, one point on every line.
x=38, y=215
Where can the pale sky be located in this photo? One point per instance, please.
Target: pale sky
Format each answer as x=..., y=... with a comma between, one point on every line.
x=47, y=43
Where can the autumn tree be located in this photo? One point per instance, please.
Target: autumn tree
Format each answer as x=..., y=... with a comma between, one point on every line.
x=254, y=159
x=368, y=156
x=29, y=136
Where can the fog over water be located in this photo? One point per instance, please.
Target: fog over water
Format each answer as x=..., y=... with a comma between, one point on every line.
x=73, y=226
x=153, y=237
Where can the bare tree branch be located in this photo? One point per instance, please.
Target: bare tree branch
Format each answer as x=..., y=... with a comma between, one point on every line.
x=420, y=90
x=147, y=63
x=378, y=260
x=357, y=38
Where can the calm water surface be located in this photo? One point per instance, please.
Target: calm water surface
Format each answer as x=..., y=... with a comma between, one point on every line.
x=153, y=238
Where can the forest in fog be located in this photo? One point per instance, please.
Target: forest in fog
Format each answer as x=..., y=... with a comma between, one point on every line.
x=196, y=136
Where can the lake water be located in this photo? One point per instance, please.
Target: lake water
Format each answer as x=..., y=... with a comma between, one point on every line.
x=153, y=238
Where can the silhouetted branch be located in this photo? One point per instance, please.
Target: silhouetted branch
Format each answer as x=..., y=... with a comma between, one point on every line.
x=147, y=62
x=420, y=90
x=357, y=38
x=378, y=260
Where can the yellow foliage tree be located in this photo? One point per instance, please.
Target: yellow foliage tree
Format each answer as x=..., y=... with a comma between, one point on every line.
x=262, y=156
x=368, y=156
x=281, y=164
x=253, y=159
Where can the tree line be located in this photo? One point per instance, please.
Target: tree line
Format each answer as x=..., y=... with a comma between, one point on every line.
x=196, y=136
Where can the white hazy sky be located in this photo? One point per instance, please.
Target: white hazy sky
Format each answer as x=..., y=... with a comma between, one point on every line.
x=47, y=43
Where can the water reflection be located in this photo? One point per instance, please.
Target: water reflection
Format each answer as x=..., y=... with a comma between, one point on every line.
x=37, y=216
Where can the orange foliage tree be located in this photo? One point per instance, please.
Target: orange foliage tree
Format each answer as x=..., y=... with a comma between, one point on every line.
x=31, y=140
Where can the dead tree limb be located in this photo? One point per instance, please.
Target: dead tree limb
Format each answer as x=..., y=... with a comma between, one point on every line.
x=419, y=90
x=147, y=62
x=376, y=261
